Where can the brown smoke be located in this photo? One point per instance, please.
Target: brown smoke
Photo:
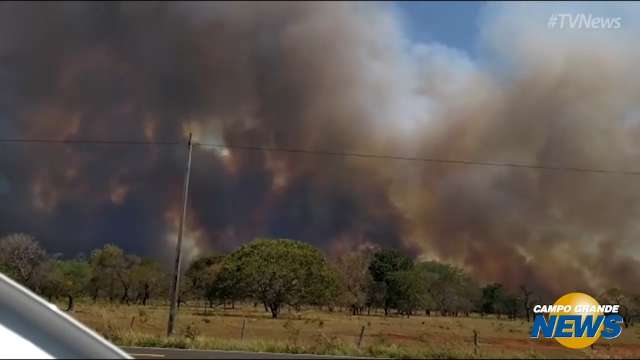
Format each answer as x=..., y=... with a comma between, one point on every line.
x=337, y=77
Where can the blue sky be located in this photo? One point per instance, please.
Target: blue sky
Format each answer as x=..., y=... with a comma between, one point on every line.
x=457, y=23
x=454, y=23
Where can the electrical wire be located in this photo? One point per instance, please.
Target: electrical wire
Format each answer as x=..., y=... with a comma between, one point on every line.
x=329, y=153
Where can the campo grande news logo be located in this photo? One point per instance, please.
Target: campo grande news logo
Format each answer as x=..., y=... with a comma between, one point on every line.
x=577, y=321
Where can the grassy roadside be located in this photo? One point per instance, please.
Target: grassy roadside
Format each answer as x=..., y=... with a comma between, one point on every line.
x=322, y=348
x=335, y=333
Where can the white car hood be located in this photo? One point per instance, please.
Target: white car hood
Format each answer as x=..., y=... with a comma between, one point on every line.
x=30, y=327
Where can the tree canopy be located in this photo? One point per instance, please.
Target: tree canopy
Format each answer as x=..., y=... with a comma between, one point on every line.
x=278, y=272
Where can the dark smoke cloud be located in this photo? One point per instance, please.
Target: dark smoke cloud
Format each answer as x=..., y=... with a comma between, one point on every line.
x=4, y=185
x=339, y=77
x=245, y=74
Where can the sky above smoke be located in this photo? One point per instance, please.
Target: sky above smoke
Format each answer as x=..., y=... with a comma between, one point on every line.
x=330, y=77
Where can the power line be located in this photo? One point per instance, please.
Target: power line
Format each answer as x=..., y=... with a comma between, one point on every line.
x=427, y=160
x=330, y=153
x=86, y=142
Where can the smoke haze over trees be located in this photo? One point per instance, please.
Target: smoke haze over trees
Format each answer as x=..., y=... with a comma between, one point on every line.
x=281, y=273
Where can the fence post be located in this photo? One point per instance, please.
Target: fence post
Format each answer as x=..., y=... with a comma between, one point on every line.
x=475, y=342
x=244, y=323
x=361, y=336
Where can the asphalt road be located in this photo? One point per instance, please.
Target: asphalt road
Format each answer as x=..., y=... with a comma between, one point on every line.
x=159, y=353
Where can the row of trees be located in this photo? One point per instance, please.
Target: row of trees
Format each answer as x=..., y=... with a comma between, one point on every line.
x=274, y=274
x=389, y=280
x=108, y=272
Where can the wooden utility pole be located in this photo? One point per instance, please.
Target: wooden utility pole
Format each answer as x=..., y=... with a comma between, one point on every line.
x=175, y=286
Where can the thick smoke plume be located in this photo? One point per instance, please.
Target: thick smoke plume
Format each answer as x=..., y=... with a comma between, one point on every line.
x=335, y=77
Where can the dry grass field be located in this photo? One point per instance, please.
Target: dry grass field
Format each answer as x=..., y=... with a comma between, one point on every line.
x=323, y=332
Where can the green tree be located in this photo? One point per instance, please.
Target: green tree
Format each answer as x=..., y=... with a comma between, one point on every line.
x=75, y=280
x=48, y=280
x=407, y=291
x=112, y=272
x=201, y=277
x=146, y=278
x=277, y=272
x=227, y=286
x=497, y=300
x=129, y=264
x=324, y=292
x=450, y=288
x=384, y=263
x=376, y=292
x=388, y=261
x=106, y=263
